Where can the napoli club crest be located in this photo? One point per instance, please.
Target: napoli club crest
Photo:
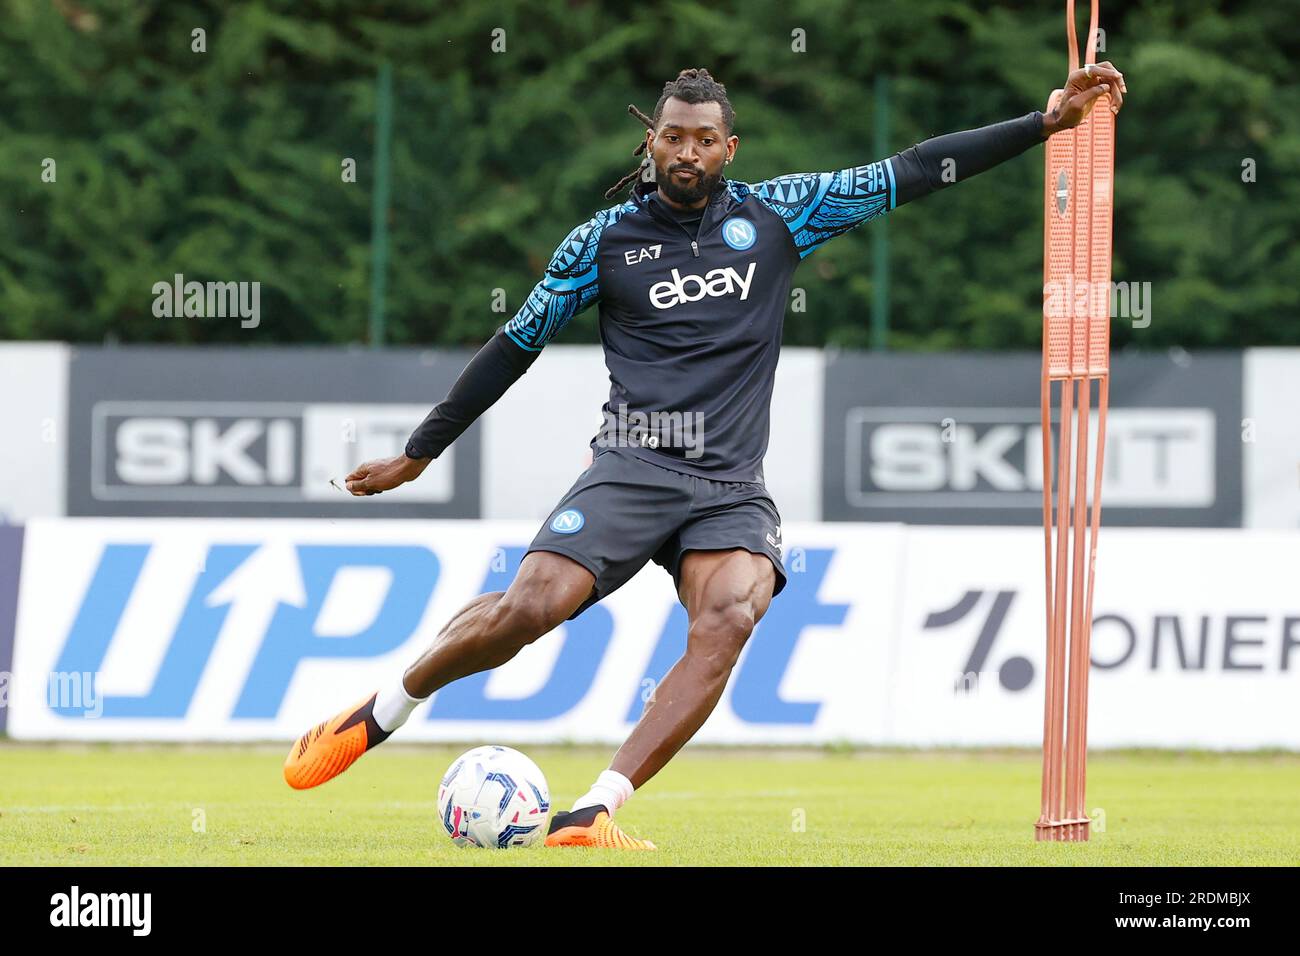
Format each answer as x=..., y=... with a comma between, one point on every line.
x=739, y=233
x=568, y=522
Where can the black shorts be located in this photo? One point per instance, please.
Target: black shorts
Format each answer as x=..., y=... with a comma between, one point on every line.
x=623, y=511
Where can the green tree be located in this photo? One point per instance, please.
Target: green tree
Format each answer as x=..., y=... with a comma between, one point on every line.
x=225, y=165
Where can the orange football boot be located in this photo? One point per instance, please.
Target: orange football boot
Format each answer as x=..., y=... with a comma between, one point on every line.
x=591, y=826
x=329, y=748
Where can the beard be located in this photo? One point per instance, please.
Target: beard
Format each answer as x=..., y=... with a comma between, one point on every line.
x=689, y=192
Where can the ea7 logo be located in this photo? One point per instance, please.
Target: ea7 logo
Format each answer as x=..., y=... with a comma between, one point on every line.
x=718, y=282
x=633, y=256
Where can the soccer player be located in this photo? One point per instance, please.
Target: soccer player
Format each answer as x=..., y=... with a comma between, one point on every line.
x=692, y=274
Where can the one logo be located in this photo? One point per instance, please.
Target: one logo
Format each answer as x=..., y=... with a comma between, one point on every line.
x=1015, y=673
x=1062, y=192
x=739, y=234
x=568, y=522
x=775, y=542
x=633, y=256
x=718, y=282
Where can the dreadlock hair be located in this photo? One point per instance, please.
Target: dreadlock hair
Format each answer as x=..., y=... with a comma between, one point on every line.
x=692, y=86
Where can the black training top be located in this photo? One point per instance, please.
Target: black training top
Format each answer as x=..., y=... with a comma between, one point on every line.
x=692, y=303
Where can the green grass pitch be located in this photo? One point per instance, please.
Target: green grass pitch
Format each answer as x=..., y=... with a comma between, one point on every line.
x=202, y=805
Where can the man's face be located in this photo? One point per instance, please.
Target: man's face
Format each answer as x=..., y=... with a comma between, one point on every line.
x=689, y=148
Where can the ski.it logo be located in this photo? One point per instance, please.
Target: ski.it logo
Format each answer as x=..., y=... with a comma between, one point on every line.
x=718, y=282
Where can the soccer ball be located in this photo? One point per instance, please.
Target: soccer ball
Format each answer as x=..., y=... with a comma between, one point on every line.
x=494, y=797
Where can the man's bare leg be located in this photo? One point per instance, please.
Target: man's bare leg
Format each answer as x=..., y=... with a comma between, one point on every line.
x=725, y=593
x=484, y=634
x=494, y=627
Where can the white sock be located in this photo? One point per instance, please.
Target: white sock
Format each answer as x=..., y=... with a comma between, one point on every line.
x=393, y=705
x=611, y=790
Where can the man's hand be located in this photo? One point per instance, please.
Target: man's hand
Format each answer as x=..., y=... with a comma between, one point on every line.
x=384, y=474
x=1069, y=107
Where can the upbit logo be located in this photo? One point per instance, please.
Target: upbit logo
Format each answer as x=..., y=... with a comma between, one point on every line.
x=282, y=602
x=665, y=295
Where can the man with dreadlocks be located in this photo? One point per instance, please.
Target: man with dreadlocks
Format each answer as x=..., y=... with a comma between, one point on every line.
x=692, y=274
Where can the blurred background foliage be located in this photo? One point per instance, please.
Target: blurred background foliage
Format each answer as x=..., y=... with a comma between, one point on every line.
x=225, y=165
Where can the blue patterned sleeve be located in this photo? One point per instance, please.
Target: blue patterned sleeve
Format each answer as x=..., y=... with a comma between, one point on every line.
x=820, y=206
x=570, y=285
x=817, y=207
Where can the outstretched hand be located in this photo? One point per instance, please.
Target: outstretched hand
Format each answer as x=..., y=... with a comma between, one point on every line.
x=384, y=474
x=1069, y=107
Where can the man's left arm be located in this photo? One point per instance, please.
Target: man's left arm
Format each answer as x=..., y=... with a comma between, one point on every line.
x=818, y=207
x=954, y=157
x=945, y=160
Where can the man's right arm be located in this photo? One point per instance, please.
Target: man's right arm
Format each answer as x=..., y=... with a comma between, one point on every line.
x=492, y=370
x=569, y=286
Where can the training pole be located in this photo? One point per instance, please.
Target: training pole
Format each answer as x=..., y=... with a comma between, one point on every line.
x=1077, y=198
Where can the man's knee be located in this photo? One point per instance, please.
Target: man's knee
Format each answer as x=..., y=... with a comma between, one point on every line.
x=542, y=596
x=718, y=634
x=525, y=618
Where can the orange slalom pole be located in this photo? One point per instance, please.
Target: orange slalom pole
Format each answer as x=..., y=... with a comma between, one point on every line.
x=1077, y=247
